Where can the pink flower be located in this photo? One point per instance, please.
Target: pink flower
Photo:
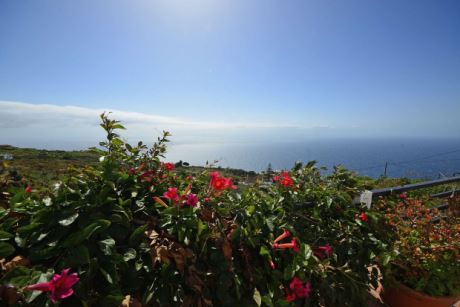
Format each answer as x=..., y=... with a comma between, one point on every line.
x=192, y=200
x=169, y=166
x=276, y=178
x=28, y=189
x=272, y=264
x=171, y=194
x=403, y=195
x=146, y=176
x=363, y=217
x=323, y=251
x=60, y=286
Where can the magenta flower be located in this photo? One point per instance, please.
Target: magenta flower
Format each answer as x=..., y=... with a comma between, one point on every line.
x=323, y=251
x=295, y=283
x=300, y=290
x=60, y=286
x=192, y=200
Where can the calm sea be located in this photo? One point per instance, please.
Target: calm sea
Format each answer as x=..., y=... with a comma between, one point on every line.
x=414, y=158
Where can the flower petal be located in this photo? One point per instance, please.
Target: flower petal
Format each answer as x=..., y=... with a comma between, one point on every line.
x=42, y=286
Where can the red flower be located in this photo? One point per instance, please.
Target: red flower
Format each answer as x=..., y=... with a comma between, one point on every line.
x=192, y=200
x=169, y=166
x=403, y=195
x=220, y=183
x=132, y=171
x=285, y=234
x=363, y=217
x=171, y=194
x=276, y=178
x=290, y=297
x=229, y=184
x=206, y=200
x=60, y=286
x=293, y=245
x=286, y=180
x=28, y=189
x=323, y=251
x=189, y=178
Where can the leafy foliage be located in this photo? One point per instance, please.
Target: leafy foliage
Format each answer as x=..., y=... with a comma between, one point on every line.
x=128, y=239
x=427, y=254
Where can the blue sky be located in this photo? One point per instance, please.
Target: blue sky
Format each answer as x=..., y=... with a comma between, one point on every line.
x=375, y=68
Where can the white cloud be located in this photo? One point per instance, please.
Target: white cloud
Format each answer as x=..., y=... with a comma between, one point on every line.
x=72, y=127
x=18, y=114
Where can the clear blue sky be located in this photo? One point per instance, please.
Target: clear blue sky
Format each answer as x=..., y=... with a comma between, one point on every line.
x=385, y=66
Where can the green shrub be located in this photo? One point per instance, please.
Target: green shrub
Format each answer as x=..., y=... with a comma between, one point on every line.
x=133, y=226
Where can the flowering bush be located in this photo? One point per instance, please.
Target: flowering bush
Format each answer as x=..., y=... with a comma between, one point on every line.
x=428, y=254
x=141, y=230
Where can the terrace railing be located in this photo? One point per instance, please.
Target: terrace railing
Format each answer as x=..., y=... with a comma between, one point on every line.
x=368, y=196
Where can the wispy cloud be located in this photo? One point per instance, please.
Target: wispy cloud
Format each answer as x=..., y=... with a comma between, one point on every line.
x=18, y=114
x=72, y=127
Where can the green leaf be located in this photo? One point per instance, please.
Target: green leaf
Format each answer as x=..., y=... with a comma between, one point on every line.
x=137, y=235
x=201, y=227
x=106, y=276
x=305, y=249
x=386, y=259
x=256, y=297
x=267, y=301
x=107, y=246
x=4, y=236
x=77, y=256
x=68, y=220
x=43, y=278
x=289, y=272
x=40, y=253
x=130, y=254
x=28, y=228
x=6, y=249
x=264, y=251
x=78, y=237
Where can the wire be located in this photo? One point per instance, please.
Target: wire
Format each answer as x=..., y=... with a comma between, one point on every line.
x=422, y=159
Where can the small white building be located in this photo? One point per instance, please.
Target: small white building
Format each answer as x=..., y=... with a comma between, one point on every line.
x=6, y=156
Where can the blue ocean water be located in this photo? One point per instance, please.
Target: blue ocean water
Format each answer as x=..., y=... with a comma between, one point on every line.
x=413, y=158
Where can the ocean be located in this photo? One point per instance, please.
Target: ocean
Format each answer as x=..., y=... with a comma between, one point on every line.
x=412, y=158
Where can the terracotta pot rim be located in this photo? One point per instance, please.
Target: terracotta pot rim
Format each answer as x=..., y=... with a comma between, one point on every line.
x=419, y=294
